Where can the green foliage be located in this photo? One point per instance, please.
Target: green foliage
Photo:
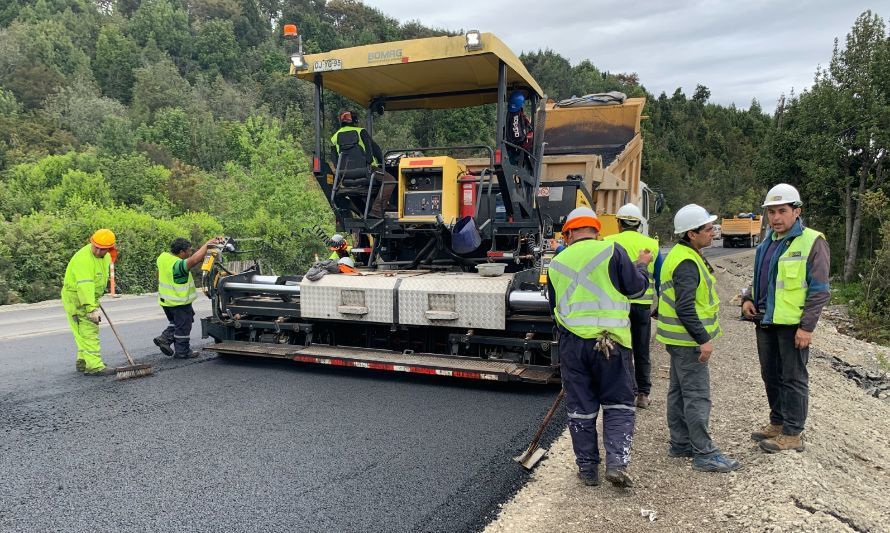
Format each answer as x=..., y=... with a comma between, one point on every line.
x=215, y=47
x=9, y=106
x=133, y=179
x=81, y=110
x=76, y=187
x=163, y=22
x=117, y=57
x=157, y=86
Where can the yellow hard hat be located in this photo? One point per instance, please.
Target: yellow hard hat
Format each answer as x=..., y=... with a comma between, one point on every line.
x=103, y=238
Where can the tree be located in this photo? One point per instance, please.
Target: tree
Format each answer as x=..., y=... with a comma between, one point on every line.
x=215, y=47
x=164, y=22
x=117, y=57
x=157, y=86
x=81, y=110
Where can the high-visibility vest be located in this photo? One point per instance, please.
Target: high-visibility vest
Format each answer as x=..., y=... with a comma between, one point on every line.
x=634, y=242
x=587, y=304
x=669, y=329
x=170, y=293
x=791, y=278
x=86, y=277
x=361, y=143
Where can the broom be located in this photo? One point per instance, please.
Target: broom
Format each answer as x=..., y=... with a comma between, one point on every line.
x=126, y=372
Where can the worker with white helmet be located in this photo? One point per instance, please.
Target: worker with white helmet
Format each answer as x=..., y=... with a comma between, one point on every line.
x=785, y=300
x=339, y=247
x=688, y=321
x=630, y=221
x=590, y=284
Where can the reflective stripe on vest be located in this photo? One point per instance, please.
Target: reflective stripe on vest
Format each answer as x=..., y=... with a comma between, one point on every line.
x=587, y=304
x=633, y=243
x=669, y=328
x=361, y=143
x=170, y=293
x=791, y=278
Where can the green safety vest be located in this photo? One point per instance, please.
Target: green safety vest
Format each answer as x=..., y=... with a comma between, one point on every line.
x=634, y=242
x=587, y=304
x=361, y=143
x=86, y=277
x=791, y=278
x=170, y=293
x=669, y=329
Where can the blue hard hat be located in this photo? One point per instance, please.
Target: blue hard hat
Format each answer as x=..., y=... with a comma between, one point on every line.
x=516, y=101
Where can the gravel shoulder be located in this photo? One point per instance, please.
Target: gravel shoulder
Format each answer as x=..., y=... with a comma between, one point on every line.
x=840, y=483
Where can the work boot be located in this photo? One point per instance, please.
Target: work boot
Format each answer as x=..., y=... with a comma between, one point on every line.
x=715, y=463
x=191, y=354
x=80, y=365
x=674, y=452
x=164, y=345
x=643, y=401
x=768, y=431
x=591, y=479
x=782, y=443
x=619, y=477
x=107, y=371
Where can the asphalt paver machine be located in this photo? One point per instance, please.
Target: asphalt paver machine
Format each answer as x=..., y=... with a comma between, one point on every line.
x=452, y=278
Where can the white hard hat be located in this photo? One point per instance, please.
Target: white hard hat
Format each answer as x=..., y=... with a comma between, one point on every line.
x=337, y=238
x=690, y=217
x=782, y=194
x=346, y=261
x=581, y=217
x=629, y=212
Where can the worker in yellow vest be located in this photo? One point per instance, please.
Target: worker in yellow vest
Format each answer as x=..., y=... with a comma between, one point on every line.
x=85, y=279
x=176, y=292
x=356, y=151
x=688, y=308
x=589, y=287
x=630, y=222
x=339, y=247
x=790, y=288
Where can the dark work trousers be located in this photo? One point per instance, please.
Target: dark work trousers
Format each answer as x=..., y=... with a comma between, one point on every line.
x=640, y=333
x=689, y=402
x=592, y=381
x=179, y=330
x=784, y=371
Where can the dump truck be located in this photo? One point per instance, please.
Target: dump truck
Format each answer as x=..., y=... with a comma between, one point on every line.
x=452, y=279
x=742, y=231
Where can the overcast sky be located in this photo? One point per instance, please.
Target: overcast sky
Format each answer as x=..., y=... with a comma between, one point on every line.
x=738, y=49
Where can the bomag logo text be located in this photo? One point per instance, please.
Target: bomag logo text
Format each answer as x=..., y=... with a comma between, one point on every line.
x=384, y=55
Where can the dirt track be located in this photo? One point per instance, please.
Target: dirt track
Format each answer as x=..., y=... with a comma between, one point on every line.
x=840, y=483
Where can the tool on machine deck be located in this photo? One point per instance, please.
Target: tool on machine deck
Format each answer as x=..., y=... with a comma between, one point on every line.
x=133, y=370
x=534, y=453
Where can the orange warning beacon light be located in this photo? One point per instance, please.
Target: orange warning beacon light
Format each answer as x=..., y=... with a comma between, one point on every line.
x=290, y=31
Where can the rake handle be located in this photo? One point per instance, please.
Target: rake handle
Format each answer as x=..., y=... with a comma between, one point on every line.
x=116, y=335
x=547, y=417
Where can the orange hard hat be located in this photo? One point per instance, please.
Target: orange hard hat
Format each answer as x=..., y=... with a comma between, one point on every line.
x=581, y=217
x=103, y=238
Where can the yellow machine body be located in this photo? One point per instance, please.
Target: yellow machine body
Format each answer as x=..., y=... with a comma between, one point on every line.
x=428, y=187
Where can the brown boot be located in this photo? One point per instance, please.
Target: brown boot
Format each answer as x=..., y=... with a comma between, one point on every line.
x=643, y=401
x=768, y=431
x=782, y=443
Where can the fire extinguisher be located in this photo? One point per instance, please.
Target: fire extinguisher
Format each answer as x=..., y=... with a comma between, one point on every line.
x=469, y=185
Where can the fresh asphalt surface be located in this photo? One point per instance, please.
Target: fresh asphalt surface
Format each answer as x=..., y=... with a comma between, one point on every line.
x=214, y=444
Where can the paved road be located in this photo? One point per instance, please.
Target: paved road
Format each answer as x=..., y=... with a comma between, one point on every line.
x=235, y=445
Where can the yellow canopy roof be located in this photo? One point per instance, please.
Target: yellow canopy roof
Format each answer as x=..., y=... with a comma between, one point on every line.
x=429, y=73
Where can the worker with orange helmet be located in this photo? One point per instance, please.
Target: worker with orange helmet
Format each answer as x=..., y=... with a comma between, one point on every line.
x=591, y=283
x=86, y=277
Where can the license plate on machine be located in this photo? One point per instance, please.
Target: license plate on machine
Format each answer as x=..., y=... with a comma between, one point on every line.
x=327, y=64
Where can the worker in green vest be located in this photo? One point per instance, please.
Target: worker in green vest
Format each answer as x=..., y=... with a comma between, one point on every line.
x=630, y=223
x=688, y=309
x=355, y=151
x=590, y=283
x=85, y=279
x=790, y=288
x=339, y=247
x=176, y=292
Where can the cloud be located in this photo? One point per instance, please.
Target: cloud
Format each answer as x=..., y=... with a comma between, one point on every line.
x=739, y=50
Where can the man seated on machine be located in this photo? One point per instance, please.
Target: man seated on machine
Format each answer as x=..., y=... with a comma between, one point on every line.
x=359, y=158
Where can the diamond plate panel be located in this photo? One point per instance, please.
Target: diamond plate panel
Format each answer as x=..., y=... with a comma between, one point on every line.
x=478, y=302
x=322, y=298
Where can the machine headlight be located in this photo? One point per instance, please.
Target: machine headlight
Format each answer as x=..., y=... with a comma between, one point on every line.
x=474, y=40
x=298, y=61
